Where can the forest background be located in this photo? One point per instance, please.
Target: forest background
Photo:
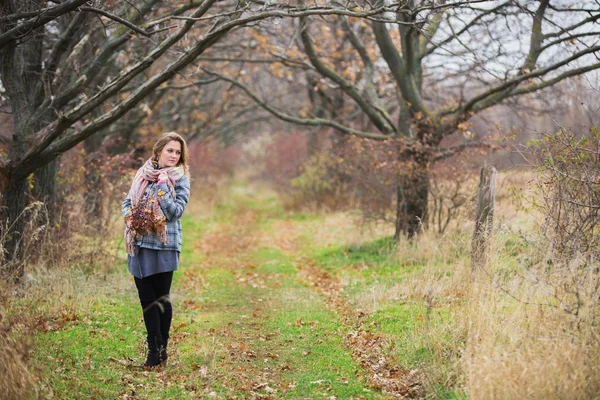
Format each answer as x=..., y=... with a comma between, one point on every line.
x=372, y=117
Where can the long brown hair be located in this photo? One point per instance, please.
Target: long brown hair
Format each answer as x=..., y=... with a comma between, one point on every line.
x=162, y=142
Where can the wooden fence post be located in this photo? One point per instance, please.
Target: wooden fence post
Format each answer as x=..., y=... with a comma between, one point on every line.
x=484, y=220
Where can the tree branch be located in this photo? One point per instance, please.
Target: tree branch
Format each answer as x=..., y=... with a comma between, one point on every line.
x=389, y=52
x=344, y=84
x=370, y=88
x=49, y=147
x=296, y=12
x=568, y=38
x=428, y=33
x=561, y=31
x=296, y=120
x=201, y=82
x=535, y=87
x=452, y=151
x=97, y=64
x=227, y=126
x=49, y=136
x=536, y=37
x=486, y=99
x=46, y=15
x=278, y=59
x=64, y=43
x=469, y=25
x=399, y=69
x=120, y=20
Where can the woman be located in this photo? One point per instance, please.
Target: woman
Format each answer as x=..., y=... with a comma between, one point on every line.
x=152, y=209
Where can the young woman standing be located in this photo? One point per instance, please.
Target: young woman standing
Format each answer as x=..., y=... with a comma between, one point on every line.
x=158, y=196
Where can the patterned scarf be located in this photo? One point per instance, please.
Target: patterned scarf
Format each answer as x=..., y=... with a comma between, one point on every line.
x=145, y=216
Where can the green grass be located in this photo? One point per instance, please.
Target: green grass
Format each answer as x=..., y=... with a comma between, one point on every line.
x=244, y=323
x=315, y=351
x=273, y=261
x=379, y=252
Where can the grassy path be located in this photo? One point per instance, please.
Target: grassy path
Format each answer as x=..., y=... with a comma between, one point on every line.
x=261, y=311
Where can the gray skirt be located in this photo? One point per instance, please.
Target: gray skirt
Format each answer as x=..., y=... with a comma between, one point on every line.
x=149, y=262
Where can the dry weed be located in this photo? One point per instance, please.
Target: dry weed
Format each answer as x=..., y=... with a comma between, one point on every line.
x=519, y=350
x=16, y=380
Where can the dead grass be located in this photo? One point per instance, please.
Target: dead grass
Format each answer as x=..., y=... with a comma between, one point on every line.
x=518, y=350
x=17, y=381
x=524, y=328
x=532, y=317
x=206, y=193
x=510, y=335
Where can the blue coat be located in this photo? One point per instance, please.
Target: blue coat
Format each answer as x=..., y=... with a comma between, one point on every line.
x=173, y=210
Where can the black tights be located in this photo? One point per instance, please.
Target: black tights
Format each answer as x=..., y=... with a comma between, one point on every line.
x=156, y=304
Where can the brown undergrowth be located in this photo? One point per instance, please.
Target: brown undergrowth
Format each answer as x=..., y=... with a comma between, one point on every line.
x=16, y=380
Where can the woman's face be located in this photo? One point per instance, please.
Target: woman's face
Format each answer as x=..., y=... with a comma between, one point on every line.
x=170, y=154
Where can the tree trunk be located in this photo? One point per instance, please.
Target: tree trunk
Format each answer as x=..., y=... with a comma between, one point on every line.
x=20, y=69
x=15, y=201
x=412, y=201
x=484, y=219
x=44, y=182
x=92, y=180
x=44, y=189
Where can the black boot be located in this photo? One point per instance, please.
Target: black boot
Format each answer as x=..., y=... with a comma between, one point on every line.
x=154, y=346
x=163, y=349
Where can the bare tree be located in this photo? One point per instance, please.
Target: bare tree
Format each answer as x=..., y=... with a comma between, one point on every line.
x=57, y=103
x=420, y=70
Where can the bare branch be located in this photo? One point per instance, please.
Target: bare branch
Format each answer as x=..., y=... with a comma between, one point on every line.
x=468, y=26
x=370, y=88
x=49, y=135
x=568, y=38
x=537, y=86
x=452, y=151
x=536, y=37
x=198, y=83
x=445, y=5
x=48, y=15
x=94, y=71
x=64, y=43
x=592, y=18
x=487, y=99
x=429, y=32
x=295, y=12
x=381, y=123
x=120, y=20
x=399, y=70
x=296, y=120
x=242, y=60
x=49, y=147
x=575, y=203
x=574, y=9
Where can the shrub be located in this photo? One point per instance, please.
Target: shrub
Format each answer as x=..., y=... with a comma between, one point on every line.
x=569, y=187
x=533, y=315
x=79, y=228
x=349, y=172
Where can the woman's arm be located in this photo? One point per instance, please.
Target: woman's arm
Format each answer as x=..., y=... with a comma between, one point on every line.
x=174, y=208
x=126, y=207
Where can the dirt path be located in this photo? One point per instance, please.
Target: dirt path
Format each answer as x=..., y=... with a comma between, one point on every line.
x=254, y=318
x=230, y=249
